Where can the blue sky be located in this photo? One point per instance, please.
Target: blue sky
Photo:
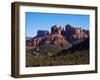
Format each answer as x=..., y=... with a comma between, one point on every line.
x=44, y=21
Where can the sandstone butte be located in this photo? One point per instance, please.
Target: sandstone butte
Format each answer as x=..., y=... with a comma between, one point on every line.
x=58, y=36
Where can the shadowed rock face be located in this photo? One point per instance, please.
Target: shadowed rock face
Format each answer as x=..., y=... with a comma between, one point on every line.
x=75, y=35
x=56, y=29
x=41, y=33
x=62, y=38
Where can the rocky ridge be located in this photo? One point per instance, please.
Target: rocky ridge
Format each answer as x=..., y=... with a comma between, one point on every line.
x=64, y=38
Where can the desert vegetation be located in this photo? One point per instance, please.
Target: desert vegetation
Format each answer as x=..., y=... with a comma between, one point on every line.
x=53, y=56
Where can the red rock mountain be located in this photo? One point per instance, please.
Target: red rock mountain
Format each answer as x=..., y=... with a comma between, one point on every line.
x=58, y=36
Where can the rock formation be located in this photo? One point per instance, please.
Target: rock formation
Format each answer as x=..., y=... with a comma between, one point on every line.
x=58, y=36
x=42, y=33
x=74, y=35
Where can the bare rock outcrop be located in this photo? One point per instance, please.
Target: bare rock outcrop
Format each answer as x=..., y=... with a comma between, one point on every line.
x=64, y=38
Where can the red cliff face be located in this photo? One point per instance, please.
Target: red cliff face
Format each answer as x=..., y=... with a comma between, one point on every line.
x=75, y=34
x=56, y=29
x=59, y=37
x=79, y=34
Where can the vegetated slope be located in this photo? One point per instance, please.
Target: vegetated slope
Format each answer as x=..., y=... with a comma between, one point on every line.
x=78, y=54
